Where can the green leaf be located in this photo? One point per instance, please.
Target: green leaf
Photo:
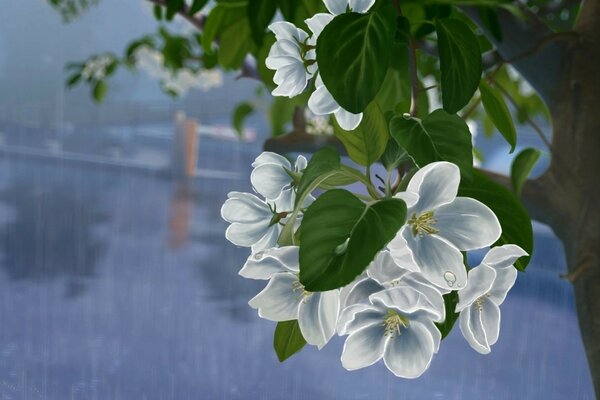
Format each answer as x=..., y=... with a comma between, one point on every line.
x=515, y=222
x=235, y=43
x=220, y=18
x=322, y=165
x=73, y=80
x=196, y=6
x=354, y=68
x=489, y=18
x=288, y=339
x=260, y=13
x=99, y=92
x=173, y=6
x=367, y=142
x=158, y=12
x=460, y=63
x=341, y=235
x=396, y=85
x=393, y=155
x=522, y=166
x=450, y=302
x=239, y=116
x=438, y=137
x=498, y=111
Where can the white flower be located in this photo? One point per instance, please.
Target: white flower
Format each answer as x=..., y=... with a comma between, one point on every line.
x=397, y=326
x=284, y=297
x=321, y=102
x=254, y=222
x=440, y=225
x=383, y=273
x=291, y=59
x=269, y=177
x=486, y=289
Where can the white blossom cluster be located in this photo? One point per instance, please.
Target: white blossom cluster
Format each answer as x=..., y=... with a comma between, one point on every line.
x=389, y=312
x=95, y=68
x=293, y=58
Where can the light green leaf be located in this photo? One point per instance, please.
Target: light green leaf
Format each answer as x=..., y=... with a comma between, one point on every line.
x=220, y=18
x=288, y=339
x=498, y=111
x=515, y=222
x=367, y=142
x=240, y=113
x=460, y=63
x=235, y=43
x=99, y=92
x=354, y=54
x=438, y=137
x=522, y=166
x=322, y=165
x=341, y=235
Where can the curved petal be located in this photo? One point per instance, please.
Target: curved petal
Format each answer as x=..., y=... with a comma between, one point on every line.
x=468, y=224
x=269, y=180
x=321, y=102
x=360, y=292
x=269, y=240
x=287, y=30
x=431, y=293
x=440, y=262
x=268, y=157
x=471, y=327
x=479, y=282
x=361, y=6
x=436, y=335
x=406, y=300
x=336, y=7
x=505, y=279
x=263, y=264
x=409, y=354
x=346, y=120
x=285, y=201
x=278, y=301
x=317, y=317
x=436, y=184
x=401, y=253
x=490, y=321
x=247, y=235
x=244, y=208
x=347, y=315
x=318, y=22
x=503, y=256
x=365, y=317
x=364, y=347
x=409, y=198
x=300, y=164
x=292, y=80
x=384, y=269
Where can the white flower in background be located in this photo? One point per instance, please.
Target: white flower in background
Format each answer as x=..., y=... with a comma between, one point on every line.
x=440, y=225
x=317, y=124
x=96, y=67
x=254, y=222
x=269, y=177
x=383, y=273
x=337, y=7
x=284, y=298
x=397, y=326
x=486, y=289
x=291, y=59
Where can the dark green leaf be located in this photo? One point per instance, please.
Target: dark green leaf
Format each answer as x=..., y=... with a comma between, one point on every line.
x=450, y=302
x=99, y=92
x=73, y=80
x=515, y=222
x=522, y=166
x=235, y=43
x=498, y=111
x=489, y=18
x=438, y=137
x=322, y=165
x=260, y=13
x=239, y=116
x=196, y=6
x=354, y=68
x=393, y=155
x=220, y=18
x=460, y=63
x=158, y=12
x=173, y=6
x=288, y=339
x=396, y=85
x=341, y=235
x=367, y=142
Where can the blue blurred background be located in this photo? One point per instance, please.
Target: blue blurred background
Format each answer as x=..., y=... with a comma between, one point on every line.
x=116, y=281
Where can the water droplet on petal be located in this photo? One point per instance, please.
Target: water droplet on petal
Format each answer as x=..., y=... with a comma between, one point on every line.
x=258, y=256
x=450, y=278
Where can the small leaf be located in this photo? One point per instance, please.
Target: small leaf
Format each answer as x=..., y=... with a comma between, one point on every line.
x=73, y=80
x=354, y=68
x=173, y=6
x=460, y=63
x=438, y=137
x=239, y=116
x=367, y=142
x=393, y=155
x=489, y=18
x=100, y=89
x=260, y=14
x=498, y=111
x=322, y=165
x=450, y=302
x=158, y=12
x=514, y=220
x=288, y=339
x=522, y=166
x=235, y=43
x=341, y=235
x=196, y=6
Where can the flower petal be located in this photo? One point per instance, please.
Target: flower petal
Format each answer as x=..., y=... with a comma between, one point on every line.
x=480, y=325
x=365, y=316
x=321, y=102
x=505, y=279
x=436, y=184
x=409, y=354
x=277, y=301
x=347, y=315
x=409, y=198
x=264, y=264
x=468, y=224
x=404, y=299
x=245, y=208
x=479, y=282
x=364, y=347
x=317, y=317
x=268, y=157
x=292, y=80
x=503, y=256
x=300, y=164
x=287, y=30
x=383, y=269
x=269, y=180
x=269, y=240
x=361, y=6
x=431, y=293
x=440, y=262
x=318, y=22
x=401, y=253
x=336, y=7
x=247, y=234
x=360, y=292
x=490, y=320
x=346, y=120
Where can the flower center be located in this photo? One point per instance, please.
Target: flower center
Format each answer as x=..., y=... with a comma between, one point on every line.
x=423, y=224
x=480, y=301
x=302, y=294
x=394, y=323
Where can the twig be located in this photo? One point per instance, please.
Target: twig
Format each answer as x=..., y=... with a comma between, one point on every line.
x=414, y=79
x=566, y=35
x=184, y=11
